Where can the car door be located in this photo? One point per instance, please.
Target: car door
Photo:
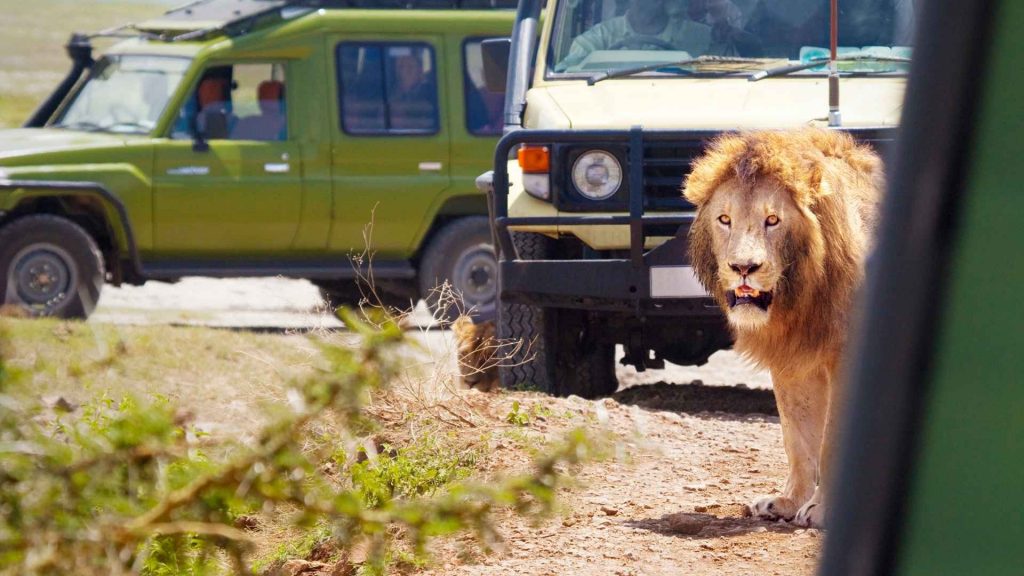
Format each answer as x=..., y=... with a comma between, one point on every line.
x=238, y=190
x=391, y=154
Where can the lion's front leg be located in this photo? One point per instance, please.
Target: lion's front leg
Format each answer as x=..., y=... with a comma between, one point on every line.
x=813, y=512
x=803, y=403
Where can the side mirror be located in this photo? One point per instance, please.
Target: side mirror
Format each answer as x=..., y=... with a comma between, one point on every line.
x=495, y=53
x=211, y=124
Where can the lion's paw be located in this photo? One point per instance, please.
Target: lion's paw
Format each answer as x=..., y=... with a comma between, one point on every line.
x=773, y=508
x=811, y=514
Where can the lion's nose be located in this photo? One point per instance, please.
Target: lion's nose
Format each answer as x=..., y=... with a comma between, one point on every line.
x=745, y=269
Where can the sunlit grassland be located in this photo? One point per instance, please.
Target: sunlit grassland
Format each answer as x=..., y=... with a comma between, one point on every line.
x=221, y=377
x=32, y=39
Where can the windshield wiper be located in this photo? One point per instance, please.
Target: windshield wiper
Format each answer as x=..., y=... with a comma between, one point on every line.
x=80, y=125
x=110, y=127
x=688, y=62
x=790, y=68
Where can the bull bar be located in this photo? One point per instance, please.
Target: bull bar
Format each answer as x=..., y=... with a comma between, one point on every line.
x=616, y=284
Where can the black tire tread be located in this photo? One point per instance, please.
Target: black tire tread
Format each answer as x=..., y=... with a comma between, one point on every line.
x=556, y=356
x=523, y=326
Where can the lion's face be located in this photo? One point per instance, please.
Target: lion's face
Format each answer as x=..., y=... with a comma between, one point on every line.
x=751, y=231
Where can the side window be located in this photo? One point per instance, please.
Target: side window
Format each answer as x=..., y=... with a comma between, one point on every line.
x=237, y=102
x=387, y=88
x=483, y=107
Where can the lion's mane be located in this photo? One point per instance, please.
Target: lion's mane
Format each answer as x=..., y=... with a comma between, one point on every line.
x=835, y=183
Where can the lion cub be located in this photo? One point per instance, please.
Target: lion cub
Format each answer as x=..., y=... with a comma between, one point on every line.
x=476, y=353
x=784, y=224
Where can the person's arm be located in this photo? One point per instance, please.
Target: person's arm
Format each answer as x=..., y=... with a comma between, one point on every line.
x=599, y=37
x=693, y=37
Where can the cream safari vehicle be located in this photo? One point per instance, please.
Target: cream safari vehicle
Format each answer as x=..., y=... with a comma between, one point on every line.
x=607, y=103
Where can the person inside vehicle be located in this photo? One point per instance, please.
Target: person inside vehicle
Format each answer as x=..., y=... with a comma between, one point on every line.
x=212, y=95
x=411, y=81
x=728, y=37
x=646, y=25
x=412, y=100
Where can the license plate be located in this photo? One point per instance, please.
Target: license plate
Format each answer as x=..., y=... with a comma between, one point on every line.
x=675, y=282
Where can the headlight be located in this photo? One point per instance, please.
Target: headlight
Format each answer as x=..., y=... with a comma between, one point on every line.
x=597, y=174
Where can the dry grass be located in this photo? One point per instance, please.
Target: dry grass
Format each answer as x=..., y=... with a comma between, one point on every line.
x=32, y=38
x=225, y=378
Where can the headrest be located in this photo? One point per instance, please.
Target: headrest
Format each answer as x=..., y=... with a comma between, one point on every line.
x=270, y=90
x=211, y=90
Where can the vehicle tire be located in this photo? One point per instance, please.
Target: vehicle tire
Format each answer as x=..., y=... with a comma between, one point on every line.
x=550, y=349
x=462, y=256
x=50, y=267
x=585, y=364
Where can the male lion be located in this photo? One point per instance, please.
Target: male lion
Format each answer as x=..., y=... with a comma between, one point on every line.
x=784, y=224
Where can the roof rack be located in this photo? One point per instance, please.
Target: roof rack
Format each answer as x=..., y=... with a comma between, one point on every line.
x=201, y=18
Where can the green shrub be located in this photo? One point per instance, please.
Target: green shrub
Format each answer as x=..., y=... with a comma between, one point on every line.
x=517, y=417
x=419, y=469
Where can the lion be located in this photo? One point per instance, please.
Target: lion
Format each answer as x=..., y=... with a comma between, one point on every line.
x=785, y=221
x=476, y=353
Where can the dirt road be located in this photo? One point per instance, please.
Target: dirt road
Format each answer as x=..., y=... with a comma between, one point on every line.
x=672, y=501
x=699, y=443
x=277, y=303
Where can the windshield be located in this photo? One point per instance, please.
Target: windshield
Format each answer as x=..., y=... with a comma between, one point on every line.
x=605, y=35
x=124, y=94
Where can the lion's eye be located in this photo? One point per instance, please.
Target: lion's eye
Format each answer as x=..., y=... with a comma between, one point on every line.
x=771, y=220
x=725, y=219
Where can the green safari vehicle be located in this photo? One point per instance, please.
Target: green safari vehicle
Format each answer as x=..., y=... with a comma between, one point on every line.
x=327, y=140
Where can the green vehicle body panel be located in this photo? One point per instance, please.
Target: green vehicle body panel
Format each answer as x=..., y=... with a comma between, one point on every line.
x=336, y=184
x=965, y=511
x=119, y=163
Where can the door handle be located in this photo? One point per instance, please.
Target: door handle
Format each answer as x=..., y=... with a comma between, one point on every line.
x=277, y=167
x=189, y=171
x=430, y=166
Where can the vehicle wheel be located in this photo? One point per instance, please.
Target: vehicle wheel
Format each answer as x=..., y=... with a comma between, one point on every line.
x=584, y=364
x=461, y=254
x=51, y=267
x=550, y=349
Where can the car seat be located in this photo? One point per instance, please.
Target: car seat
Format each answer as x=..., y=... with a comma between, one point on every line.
x=271, y=123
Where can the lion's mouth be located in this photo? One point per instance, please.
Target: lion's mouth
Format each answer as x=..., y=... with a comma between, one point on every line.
x=747, y=295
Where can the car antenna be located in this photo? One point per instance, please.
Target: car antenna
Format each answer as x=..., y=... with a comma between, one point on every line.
x=835, y=118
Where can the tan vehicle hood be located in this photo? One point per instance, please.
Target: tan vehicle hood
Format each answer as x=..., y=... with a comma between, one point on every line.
x=716, y=104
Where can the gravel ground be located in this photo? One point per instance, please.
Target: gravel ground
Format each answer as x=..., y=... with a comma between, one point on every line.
x=232, y=302
x=279, y=303
x=704, y=441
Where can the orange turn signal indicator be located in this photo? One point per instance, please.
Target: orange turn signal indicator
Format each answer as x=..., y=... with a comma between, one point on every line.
x=535, y=159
